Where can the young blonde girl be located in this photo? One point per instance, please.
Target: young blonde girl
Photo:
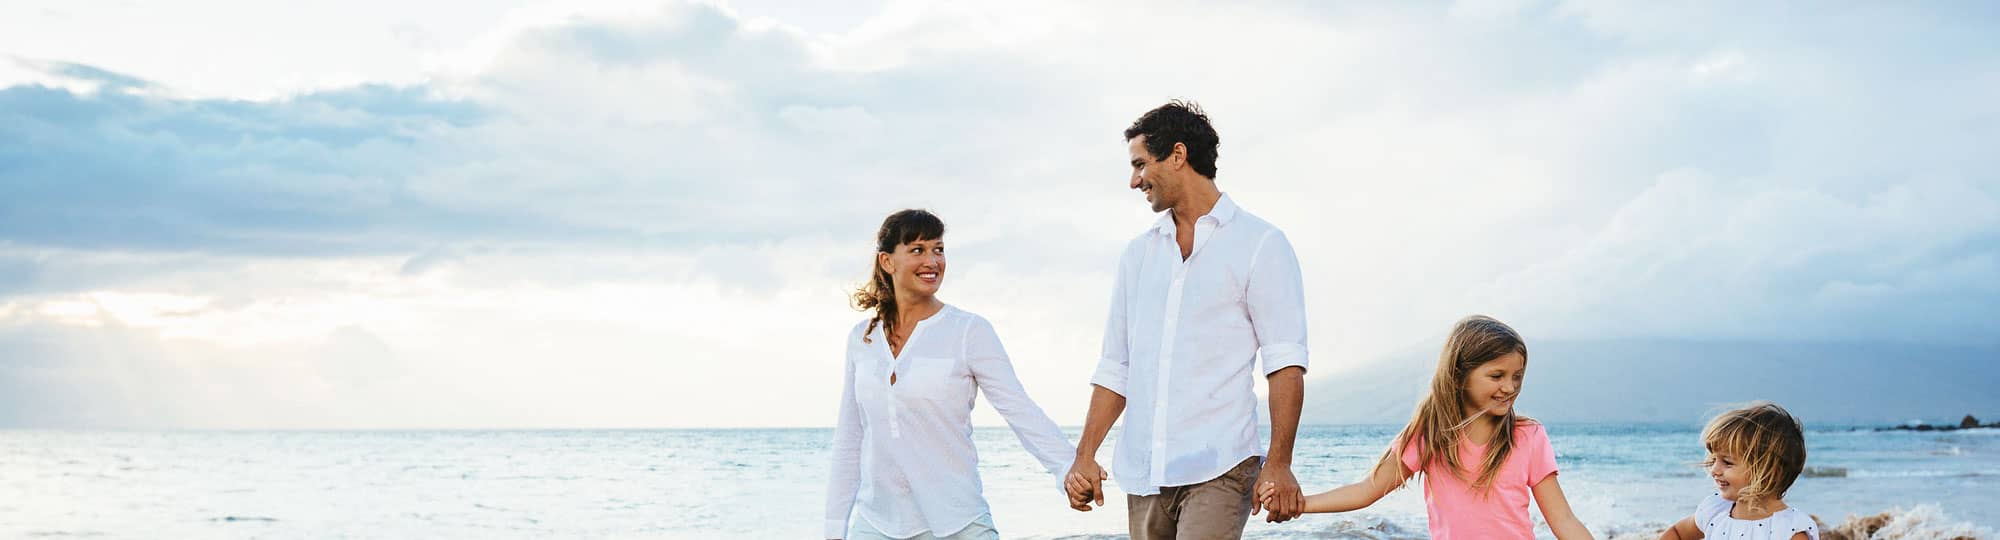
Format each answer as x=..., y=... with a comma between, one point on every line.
x=1754, y=454
x=1481, y=462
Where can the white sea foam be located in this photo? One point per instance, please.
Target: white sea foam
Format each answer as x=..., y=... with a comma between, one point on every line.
x=758, y=484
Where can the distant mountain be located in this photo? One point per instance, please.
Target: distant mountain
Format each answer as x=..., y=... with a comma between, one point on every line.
x=1685, y=382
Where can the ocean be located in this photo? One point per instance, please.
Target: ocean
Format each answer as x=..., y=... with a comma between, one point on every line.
x=770, y=483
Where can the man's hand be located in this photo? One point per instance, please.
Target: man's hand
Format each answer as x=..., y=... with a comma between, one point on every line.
x=1279, y=493
x=1085, y=483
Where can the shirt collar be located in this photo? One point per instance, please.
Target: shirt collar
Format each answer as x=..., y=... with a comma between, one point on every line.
x=1224, y=211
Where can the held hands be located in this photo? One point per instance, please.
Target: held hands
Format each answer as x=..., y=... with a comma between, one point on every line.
x=1085, y=483
x=1279, y=493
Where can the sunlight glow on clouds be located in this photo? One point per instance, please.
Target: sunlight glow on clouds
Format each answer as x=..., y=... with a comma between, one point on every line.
x=646, y=214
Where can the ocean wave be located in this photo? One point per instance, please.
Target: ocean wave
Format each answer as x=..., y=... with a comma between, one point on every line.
x=1844, y=472
x=1337, y=529
x=245, y=518
x=1922, y=522
x=1920, y=474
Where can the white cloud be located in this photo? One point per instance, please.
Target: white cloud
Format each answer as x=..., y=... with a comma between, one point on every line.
x=1489, y=9
x=1695, y=255
x=21, y=72
x=836, y=122
x=1727, y=64
x=616, y=215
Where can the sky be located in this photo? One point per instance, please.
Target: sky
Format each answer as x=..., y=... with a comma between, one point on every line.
x=457, y=214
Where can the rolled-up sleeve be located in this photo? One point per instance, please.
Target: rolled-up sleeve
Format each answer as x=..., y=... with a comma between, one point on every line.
x=1277, y=302
x=1115, y=360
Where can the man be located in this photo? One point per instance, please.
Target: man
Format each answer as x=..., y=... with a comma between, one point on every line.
x=1199, y=296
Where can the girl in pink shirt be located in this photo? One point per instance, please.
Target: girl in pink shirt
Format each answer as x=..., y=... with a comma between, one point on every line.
x=1480, y=462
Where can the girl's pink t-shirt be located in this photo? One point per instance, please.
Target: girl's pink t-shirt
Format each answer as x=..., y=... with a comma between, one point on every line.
x=1458, y=511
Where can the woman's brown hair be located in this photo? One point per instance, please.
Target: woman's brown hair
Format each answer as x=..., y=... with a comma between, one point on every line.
x=879, y=293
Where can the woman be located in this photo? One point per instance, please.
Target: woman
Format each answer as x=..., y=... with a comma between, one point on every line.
x=903, y=459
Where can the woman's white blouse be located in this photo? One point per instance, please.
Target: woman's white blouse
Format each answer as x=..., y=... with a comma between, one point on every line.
x=902, y=454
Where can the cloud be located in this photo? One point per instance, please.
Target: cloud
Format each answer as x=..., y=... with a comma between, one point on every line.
x=659, y=195
x=1786, y=264
x=111, y=375
x=608, y=132
x=310, y=175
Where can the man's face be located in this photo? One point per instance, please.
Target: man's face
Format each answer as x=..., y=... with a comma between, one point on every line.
x=1149, y=175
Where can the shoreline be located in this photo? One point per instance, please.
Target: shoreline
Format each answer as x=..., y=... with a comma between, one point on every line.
x=1924, y=521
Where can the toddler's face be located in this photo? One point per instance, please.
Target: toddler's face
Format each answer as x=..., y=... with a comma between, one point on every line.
x=1728, y=473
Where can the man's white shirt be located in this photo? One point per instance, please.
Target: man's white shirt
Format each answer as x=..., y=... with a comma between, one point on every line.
x=1182, y=338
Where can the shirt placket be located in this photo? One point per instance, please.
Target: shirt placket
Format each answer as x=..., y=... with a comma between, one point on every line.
x=1163, y=382
x=895, y=407
x=896, y=404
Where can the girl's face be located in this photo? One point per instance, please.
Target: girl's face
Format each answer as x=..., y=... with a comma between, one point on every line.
x=1492, y=387
x=1728, y=473
x=916, y=268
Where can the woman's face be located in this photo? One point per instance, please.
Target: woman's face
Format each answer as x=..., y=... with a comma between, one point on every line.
x=916, y=268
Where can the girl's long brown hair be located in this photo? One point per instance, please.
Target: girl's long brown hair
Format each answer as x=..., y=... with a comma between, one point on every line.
x=879, y=293
x=1440, y=418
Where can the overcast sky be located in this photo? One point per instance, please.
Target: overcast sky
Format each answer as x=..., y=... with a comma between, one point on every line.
x=649, y=214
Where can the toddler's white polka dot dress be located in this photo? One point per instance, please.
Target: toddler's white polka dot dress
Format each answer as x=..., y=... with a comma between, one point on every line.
x=1712, y=517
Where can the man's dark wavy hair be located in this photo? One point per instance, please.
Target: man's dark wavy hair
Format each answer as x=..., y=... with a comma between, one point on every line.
x=1179, y=122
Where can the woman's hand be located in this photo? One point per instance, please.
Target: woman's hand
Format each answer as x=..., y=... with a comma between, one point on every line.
x=1085, y=483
